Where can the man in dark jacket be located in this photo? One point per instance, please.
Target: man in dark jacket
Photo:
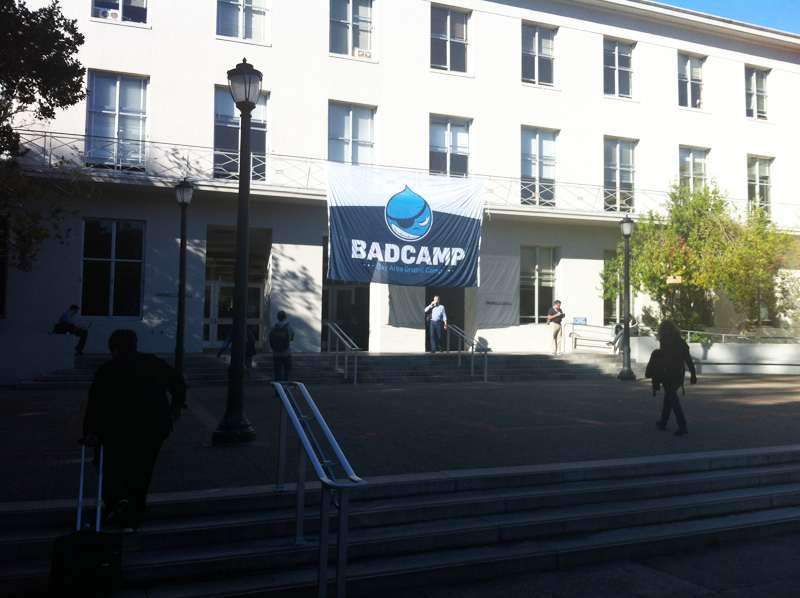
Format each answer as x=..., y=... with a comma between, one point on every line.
x=128, y=412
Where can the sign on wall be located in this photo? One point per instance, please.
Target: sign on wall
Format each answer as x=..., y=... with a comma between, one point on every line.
x=403, y=228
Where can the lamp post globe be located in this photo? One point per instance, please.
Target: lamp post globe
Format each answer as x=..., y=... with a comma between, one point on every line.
x=626, y=373
x=183, y=193
x=245, y=86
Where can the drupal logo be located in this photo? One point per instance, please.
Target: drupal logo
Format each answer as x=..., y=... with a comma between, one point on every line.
x=408, y=216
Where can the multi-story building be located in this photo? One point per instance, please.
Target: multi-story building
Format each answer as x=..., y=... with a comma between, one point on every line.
x=575, y=113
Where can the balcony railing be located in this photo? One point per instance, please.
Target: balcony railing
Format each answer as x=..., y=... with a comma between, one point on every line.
x=129, y=158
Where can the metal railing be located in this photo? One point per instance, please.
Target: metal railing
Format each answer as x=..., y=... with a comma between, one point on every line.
x=588, y=333
x=473, y=345
x=349, y=347
x=691, y=335
x=104, y=156
x=305, y=418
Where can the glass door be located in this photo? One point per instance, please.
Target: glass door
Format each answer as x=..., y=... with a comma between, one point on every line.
x=218, y=312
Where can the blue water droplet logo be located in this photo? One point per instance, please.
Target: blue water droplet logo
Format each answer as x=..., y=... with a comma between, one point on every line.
x=408, y=216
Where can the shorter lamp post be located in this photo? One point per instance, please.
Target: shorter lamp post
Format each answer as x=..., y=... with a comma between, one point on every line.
x=183, y=192
x=626, y=373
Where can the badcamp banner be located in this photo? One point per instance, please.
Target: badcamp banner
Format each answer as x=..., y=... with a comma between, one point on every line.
x=403, y=228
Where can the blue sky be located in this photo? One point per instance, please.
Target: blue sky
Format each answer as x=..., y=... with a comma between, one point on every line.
x=776, y=14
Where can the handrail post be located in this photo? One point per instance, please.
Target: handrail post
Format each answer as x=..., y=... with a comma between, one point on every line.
x=301, y=496
x=486, y=366
x=355, y=368
x=329, y=339
x=346, y=353
x=341, y=549
x=324, y=541
x=460, y=348
x=280, y=483
x=472, y=362
x=448, y=341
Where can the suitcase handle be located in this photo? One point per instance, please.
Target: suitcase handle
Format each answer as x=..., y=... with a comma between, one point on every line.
x=99, y=488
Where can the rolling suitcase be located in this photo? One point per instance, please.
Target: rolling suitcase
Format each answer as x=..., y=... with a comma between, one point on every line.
x=87, y=562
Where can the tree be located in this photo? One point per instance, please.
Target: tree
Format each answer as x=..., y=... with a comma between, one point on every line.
x=39, y=75
x=701, y=240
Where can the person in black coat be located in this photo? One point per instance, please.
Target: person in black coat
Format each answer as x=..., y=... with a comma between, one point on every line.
x=675, y=353
x=129, y=413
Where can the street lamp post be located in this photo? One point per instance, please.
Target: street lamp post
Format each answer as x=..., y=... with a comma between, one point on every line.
x=183, y=192
x=626, y=373
x=234, y=428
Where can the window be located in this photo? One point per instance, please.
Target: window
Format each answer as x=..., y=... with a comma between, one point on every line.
x=537, y=283
x=758, y=183
x=618, y=175
x=112, y=268
x=243, y=19
x=692, y=168
x=350, y=133
x=690, y=81
x=612, y=308
x=226, y=136
x=133, y=11
x=449, y=146
x=117, y=121
x=351, y=27
x=755, y=91
x=538, y=167
x=537, y=55
x=448, y=40
x=617, y=73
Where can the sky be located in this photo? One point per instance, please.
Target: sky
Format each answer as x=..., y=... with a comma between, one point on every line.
x=775, y=14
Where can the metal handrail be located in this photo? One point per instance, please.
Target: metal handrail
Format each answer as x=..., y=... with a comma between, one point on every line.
x=741, y=337
x=599, y=330
x=349, y=347
x=311, y=449
x=474, y=345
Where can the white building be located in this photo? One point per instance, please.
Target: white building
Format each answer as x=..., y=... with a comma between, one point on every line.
x=575, y=112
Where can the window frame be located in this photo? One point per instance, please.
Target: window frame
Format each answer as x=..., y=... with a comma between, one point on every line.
x=537, y=55
x=690, y=181
x=351, y=142
x=112, y=260
x=758, y=185
x=449, y=122
x=533, y=188
x=450, y=40
x=241, y=21
x=223, y=157
x=617, y=68
x=753, y=94
x=98, y=10
x=536, y=282
x=624, y=199
x=687, y=81
x=351, y=23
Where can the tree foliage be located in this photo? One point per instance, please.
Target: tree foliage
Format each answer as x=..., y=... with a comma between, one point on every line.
x=39, y=74
x=702, y=240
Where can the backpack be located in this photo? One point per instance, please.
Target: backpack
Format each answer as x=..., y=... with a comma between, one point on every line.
x=279, y=338
x=664, y=365
x=250, y=347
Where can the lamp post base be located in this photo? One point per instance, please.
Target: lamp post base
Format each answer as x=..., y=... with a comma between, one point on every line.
x=626, y=374
x=227, y=434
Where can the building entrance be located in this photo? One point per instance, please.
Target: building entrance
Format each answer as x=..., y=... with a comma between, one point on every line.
x=218, y=312
x=453, y=301
x=346, y=304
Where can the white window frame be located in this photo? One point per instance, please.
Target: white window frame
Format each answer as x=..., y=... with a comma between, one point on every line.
x=448, y=149
x=538, y=190
x=759, y=189
x=692, y=167
x=536, y=280
x=352, y=22
x=538, y=54
x=226, y=161
x=245, y=6
x=349, y=139
x=619, y=199
x=450, y=40
x=99, y=11
x=618, y=68
x=753, y=94
x=687, y=81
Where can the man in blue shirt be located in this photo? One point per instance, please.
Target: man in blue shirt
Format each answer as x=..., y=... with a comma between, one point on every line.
x=66, y=325
x=438, y=323
x=554, y=317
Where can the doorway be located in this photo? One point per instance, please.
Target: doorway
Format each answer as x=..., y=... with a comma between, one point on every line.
x=218, y=312
x=453, y=301
x=346, y=304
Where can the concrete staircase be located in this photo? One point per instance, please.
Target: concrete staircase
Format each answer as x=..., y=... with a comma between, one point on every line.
x=429, y=529
x=373, y=368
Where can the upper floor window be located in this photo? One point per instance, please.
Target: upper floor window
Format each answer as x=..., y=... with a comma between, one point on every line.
x=449, y=146
x=618, y=175
x=116, y=123
x=690, y=81
x=617, y=70
x=226, y=136
x=351, y=26
x=538, y=167
x=132, y=11
x=537, y=283
x=755, y=91
x=758, y=180
x=692, y=168
x=113, y=260
x=537, y=55
x=243, y=19
x=449, y=39
x=350, y=133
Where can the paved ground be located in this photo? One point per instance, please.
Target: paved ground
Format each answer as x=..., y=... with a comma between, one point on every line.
x=388, y=429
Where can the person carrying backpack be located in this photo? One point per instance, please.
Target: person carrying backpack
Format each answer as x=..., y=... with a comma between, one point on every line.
x=280, y=337
x=667, y=368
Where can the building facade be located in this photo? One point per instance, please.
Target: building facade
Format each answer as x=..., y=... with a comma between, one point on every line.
x=574, y=113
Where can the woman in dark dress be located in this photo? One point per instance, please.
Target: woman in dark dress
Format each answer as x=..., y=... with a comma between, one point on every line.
x=675, y=352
